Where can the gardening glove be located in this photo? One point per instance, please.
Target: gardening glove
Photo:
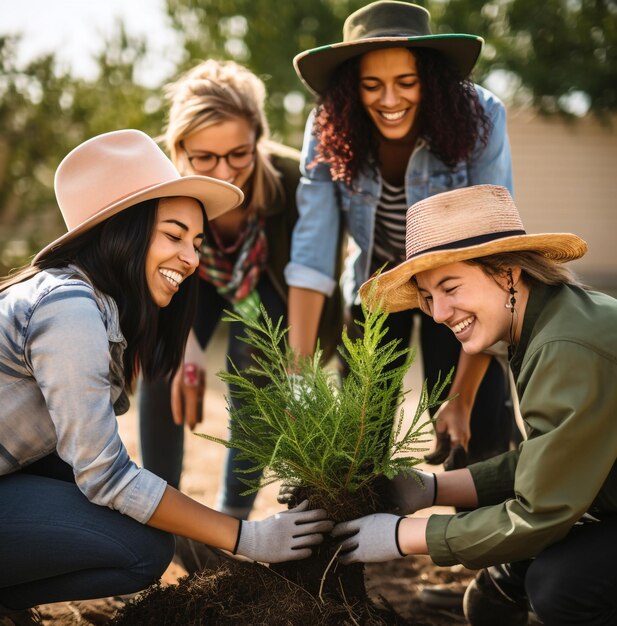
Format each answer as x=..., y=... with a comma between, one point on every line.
x=373, y=539
x=443, y=447
x=411, y=491
x=285, y=536
x=288, y=494
x=300, y=389
x=457, y=459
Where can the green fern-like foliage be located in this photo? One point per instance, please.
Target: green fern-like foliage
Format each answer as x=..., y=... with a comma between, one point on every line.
x=319, y=433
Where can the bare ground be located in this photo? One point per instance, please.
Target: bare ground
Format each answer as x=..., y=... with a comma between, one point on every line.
x=398, y=582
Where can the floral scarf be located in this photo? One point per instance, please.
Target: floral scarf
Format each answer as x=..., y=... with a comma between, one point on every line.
x=235, y=270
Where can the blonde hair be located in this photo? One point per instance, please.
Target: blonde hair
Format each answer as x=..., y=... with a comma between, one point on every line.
x=215, y=92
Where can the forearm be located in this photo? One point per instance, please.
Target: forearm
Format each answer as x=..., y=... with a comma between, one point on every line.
x=181, y=515
x=412, y=535
x=456, y=488
x=469, y=373
x=305, y=307
x=193, y=352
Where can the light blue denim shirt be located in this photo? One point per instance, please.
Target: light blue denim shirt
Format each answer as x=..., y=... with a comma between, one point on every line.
x=322, y=203
x=61, y=385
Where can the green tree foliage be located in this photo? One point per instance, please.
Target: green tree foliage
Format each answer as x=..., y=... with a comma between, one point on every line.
x=332, y=438
x=44, y=113
x=548, y=52
x=265, y=36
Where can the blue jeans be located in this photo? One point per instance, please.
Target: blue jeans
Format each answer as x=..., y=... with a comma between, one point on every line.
x=56, y=545
x=162, y=442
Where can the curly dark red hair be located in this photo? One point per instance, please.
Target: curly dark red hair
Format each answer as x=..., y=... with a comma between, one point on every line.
x=451, y=118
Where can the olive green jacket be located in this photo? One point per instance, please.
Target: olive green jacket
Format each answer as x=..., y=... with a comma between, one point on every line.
x=565, y=369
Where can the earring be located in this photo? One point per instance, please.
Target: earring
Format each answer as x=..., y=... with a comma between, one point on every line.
x=512, y=300
x=510, y=305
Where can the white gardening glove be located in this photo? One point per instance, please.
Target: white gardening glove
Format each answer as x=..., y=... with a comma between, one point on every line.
x=285, y=536
x=300, y=389
x=373, y=539
x=411, y=491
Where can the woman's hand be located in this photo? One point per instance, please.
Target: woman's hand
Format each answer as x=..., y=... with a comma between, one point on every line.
x=285, y=536
x=187, y=395
x=454, y=419
x=380, y=537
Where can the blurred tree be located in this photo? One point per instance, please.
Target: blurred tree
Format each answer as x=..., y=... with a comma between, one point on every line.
x=44, y=113
x=264, y=35
x=557, y=55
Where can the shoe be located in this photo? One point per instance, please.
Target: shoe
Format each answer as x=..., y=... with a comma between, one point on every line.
x=195, y=557
x=27, y=617
x=443, y=596
x=484, y=604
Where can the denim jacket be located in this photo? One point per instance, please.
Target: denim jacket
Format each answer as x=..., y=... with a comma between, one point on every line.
x=62, y=384
x=322, y=203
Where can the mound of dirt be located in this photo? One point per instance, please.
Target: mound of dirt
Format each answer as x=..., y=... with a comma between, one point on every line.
x=246, y=593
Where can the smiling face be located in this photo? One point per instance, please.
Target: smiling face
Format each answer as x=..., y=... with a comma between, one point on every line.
x=234, y=138
x=471, y=303
x=173, y=252
x=390, y=90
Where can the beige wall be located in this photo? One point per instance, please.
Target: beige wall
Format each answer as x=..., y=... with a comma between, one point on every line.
x=565, y=179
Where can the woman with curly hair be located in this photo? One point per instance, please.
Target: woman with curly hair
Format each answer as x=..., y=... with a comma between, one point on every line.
x=397, y=120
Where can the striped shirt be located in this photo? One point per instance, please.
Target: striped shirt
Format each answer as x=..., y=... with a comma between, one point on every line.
x=389, y=244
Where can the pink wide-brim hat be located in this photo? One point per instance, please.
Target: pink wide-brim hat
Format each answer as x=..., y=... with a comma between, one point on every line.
x=114, y=171
x=458, y=226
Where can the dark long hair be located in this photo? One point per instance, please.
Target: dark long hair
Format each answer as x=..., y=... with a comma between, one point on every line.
x=113, y=255
x=451, y=118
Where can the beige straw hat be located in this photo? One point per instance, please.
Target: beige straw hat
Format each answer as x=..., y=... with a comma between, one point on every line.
x=114, y=171
x=457, y=226
x=385, y=24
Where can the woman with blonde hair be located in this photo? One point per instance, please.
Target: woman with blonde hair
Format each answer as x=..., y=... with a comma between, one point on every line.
x=217, y=126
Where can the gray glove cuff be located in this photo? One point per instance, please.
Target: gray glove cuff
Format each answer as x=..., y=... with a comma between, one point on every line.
x=235, y=550
x=245, y=541
x=398, y=545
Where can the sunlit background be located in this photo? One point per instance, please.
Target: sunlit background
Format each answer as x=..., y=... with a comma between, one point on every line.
x=74, y=68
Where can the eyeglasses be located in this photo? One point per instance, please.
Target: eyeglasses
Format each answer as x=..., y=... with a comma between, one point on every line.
x=237, y=159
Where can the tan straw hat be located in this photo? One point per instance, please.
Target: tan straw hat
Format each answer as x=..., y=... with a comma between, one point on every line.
x=114, y=171
x=457, y=226
x=385, y=24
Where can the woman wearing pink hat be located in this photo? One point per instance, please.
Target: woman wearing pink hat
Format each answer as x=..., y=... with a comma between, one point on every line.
x=397, y=120
x=111, y=297
x=543, y=518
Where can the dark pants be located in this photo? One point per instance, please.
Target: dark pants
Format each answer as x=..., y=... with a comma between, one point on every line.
x=56, y=545
x=574, y=581
x=162, y=442
x=491, y=418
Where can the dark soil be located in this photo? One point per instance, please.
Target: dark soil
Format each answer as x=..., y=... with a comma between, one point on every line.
x=248, y=594
x=397, y=583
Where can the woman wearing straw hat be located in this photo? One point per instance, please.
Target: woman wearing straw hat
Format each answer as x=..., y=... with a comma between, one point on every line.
x=397, y=121
x=114, y=295
x=218, y=127
x=544, y=516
